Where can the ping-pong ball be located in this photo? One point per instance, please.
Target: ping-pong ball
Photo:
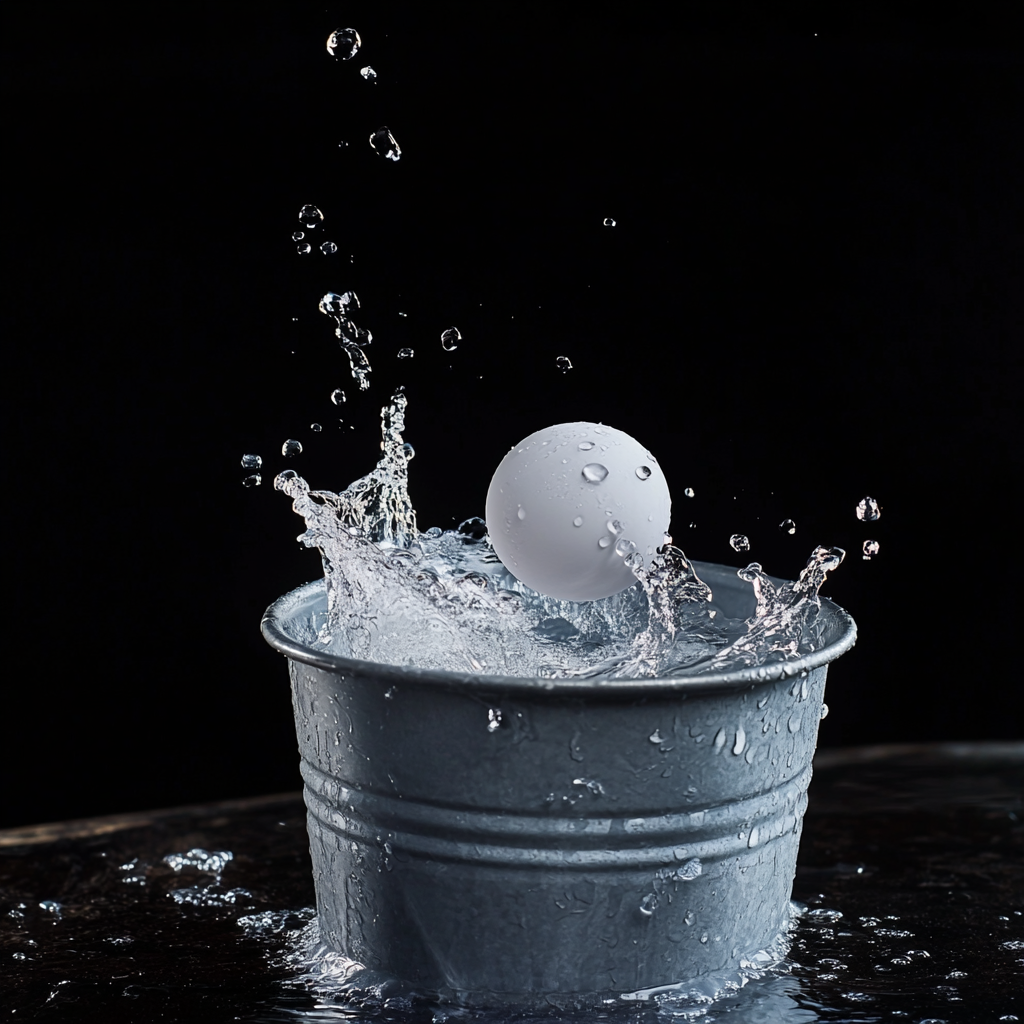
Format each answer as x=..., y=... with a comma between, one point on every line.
x=570, y=504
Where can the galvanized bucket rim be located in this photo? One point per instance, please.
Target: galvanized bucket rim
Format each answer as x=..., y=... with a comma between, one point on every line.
x=286, y=605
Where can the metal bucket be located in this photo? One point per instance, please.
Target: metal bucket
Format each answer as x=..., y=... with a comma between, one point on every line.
x=508, y=842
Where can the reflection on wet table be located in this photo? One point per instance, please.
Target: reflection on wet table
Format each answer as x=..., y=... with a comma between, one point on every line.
x=911, y=872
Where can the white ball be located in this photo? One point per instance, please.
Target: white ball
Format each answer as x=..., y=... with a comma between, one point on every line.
x=568, y=504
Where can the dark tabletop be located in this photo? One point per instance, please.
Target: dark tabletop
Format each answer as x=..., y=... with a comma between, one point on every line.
x=911, y=869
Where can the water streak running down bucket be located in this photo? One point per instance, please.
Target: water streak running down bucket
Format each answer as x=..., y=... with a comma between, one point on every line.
x=506, y=841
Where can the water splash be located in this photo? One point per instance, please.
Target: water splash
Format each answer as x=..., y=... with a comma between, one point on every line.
x=351, y=337
x=442, y=599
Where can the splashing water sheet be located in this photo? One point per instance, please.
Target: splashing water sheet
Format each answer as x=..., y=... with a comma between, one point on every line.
x=443, y=600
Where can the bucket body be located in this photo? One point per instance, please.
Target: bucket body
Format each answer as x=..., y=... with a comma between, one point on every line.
x=510, y=842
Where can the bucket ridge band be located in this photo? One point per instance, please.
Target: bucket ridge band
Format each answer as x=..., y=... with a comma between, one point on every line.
x=517, y=840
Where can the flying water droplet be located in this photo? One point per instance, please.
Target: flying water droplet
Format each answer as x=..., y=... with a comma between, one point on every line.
x=303, y=248
x=408, y=451
x=609, y=222
x=344, y=43
x=405, y=353
x=251, y=462
x=253, y=480
x=594, y=472
x=739, y=542
x=563, y=363
x=315, y=427
x=298, y=236
x=383, y=144
x=578, y=521
x=688, y=492
x=868, y=510
x=787, y=526
x=624, y=547
x=328, y=248
x=870, y=549
x=824, y=710
x=291, y=447
x=310, y=215
x=368, y=73
x=338, y=396
x=450, y=339
x=334, y=304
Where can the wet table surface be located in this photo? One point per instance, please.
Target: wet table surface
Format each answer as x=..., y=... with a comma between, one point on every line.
x=911, y=869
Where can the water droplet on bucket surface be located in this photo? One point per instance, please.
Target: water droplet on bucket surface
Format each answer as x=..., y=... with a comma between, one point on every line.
x=689, y=917
x=338, y=396
x=688, y=492
x=649, y=904
x=740, y=742
x=787, y=526
x=383, y=144
x=739, y=542
x=493, y=719
x=643, y=472
x=704, y=938
x=585, y=446
x=310, y=215
x=690, y=870
x=594, y=472
x=251, y=462
x=298, y=236
x=870, y=549
x=521, y=514
x=253, y=480
x=303, y=248
x=344, y=43
x=328, y=248
x=563, y=363
x=450, y=339
x=609, y=222
x=656, y=737
x=290, y=448
x=405, y=353
x=868, y=510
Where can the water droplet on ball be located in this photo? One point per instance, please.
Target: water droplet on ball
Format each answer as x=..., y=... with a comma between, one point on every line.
x=594, y=472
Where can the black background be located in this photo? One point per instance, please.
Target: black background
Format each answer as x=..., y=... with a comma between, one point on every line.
x=812, y=294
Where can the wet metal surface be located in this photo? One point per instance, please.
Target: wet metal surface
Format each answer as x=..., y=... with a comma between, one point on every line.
x=911, y=867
